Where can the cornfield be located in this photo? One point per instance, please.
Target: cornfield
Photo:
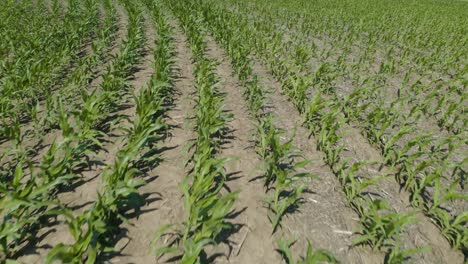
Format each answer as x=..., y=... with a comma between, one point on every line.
x=240, y=131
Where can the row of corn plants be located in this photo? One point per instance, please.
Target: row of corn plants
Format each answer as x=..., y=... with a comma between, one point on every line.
x=206, y=207
x=74, y=92
x=278, y=156
x=382, y=79
x=381, y=225
x=16, y=150
x=390, y=129
x=339, y=68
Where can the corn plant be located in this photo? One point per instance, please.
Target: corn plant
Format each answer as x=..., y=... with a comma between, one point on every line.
x=312, y=256
x=279, y=169
x=398, y=255
x=381, y=230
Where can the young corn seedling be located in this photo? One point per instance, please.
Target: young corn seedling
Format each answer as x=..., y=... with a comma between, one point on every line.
x=353, y=184
x=381, y=230
x=398, y=255
x=280, y=166
x=312, y=256
x=23, y=206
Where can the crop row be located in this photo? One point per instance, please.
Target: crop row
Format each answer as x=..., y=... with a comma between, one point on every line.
x=206, y=207
x=427, y=165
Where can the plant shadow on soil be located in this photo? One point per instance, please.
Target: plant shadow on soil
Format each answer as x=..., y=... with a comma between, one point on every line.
x=29, y=246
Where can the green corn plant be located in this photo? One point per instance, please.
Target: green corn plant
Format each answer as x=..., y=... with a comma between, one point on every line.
x=285, y=198
x=398, y=255
x=205, y=207
x=328, y=138
x=23, y=206
x=353, y=100
x=271, y=149
x=323, y=78
x=379, y=230
x=389, y=143
x=280, y=169
x=377, y=123
x=255, y=97
x=302, y=56
x=353, y=184
x=452, y=227
x=299, y=88
x=12, y=132
x=402, y=156
x=312, y=256
x=314, y=114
